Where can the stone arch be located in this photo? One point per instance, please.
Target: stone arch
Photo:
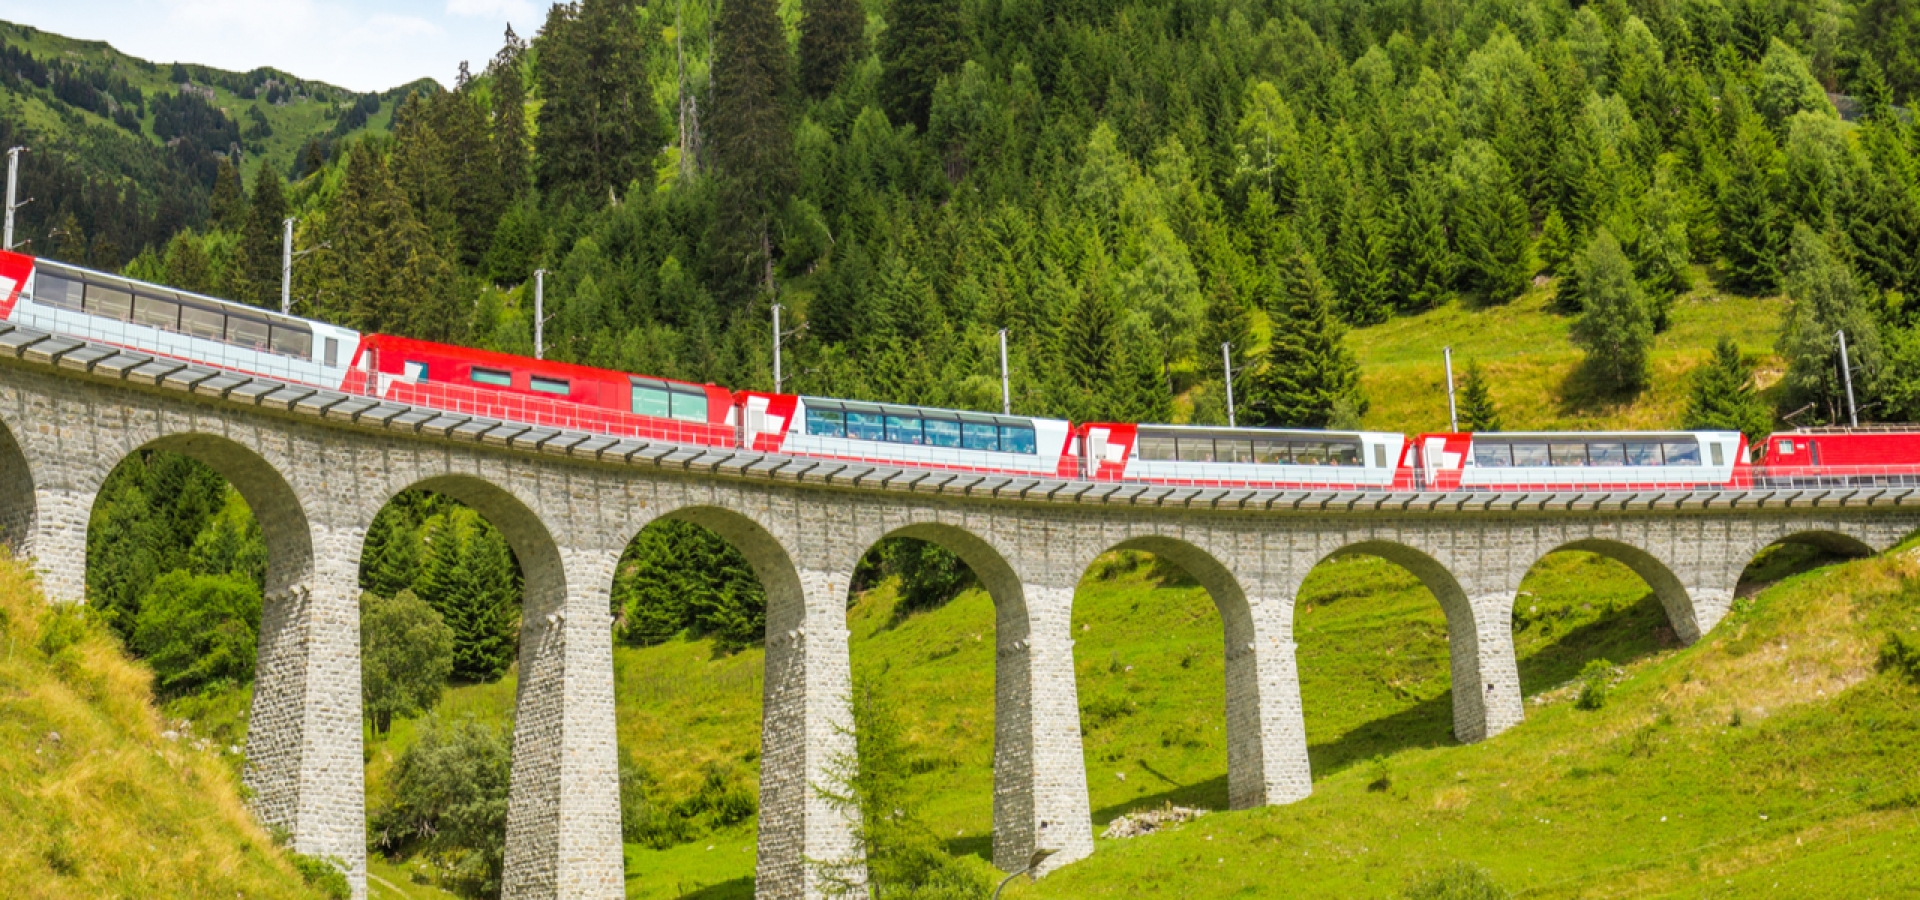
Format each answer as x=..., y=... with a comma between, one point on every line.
x=276, y=506
x=1667, y=587
x=1483, y=673
x=533, y=543
x=772, y=563
x=17, y=502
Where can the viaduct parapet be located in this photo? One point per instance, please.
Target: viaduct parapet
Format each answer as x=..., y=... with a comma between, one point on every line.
x=316, y=467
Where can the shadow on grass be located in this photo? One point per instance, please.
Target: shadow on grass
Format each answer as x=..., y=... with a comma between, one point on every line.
x=980, y=845
x=1428, y=723
x=1209, y=794
x=737, y=889
x=1586, y=391
x=1782, y=561
x=1621, y=637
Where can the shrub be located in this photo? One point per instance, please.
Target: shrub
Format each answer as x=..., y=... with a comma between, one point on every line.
x=406, y=654
x=1594, y=684
x=449, y=798
x=1462, y=882
x=198, y=631
x=322, y=875
x=1901, y=655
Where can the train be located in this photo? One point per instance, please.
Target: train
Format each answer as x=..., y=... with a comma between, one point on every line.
x=154, y=319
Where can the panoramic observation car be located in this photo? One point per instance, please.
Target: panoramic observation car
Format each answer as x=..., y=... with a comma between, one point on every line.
x=1254, y=457
x=911, y=435
x=1882, y=456
x=1597, y=461
x=96, y=306
x=553, y=394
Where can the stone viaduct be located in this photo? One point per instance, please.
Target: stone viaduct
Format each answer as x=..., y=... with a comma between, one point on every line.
x=317, y=466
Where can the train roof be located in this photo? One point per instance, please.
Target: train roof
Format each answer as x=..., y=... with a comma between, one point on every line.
x=924, y=412
x=186, y=298
x=511, y=360
x=1242, y=431
x=1581, y=435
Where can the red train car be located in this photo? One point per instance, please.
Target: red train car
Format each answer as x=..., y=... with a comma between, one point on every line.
x=552, y=394
x=1870, y=455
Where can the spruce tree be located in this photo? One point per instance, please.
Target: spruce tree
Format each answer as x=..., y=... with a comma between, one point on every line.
x=1423, y=261
x=229, y=201
x=390, y=561
x=1826, y=300
x=1307, y=374
x=187, y=266
x=1492, y=229
x=1360, y=257
x=1722, y=397
x=1616, y=325
x=752, y=141
x=257, y=258
x=1753, y=231
x=832, y=35
x=1883, y=225
x=922, y=44
x=510, y=154
x=1556, y=243
x=1477, y=412
x=469, y=579
x=598, y=128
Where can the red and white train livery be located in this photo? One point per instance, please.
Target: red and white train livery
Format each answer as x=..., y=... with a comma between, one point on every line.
x=910, y=435
x=1583, y=461
x=1243, y=457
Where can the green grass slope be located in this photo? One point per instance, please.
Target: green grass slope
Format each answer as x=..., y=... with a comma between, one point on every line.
x=97, y=797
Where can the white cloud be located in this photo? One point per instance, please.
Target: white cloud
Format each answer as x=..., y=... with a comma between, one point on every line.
x=507, y=10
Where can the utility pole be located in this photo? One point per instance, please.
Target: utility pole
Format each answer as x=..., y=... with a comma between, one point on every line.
x=286, y=267
x=1846, y=371
x=13, y=186
x=539, y=313
x=776, y=348
x=1453, y=409
x=1006, y=386
x=1226, y=359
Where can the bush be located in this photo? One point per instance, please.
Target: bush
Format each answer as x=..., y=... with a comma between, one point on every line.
x=406, y=654
x=1594, y=684
x=1901, y=655
x=199, y=631
x=322, y=875
x=1462, y=882
x=449, y=799
x=721, y=802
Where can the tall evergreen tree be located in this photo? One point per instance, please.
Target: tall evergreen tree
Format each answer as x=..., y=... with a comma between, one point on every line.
x=229, y=201
x=752, y=139
x=1360, y=256
x=1827, y=300
x=1307, y=374
x=256, y=275
x=832, y=38
x=1616, y=325
x=1491, y=229
x=1477, y=412
x=1422, y=265
x=470, y=580
x=1722, y=397
x=511, y=157
x=390, y=561
x=922, y=44
x=1754, y=233
x=598, y=128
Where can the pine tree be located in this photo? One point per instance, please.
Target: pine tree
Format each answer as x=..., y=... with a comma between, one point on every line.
x=1827, y=300
x=1723, y=397
x=256, y=275
x=510, y=154
x=229, y=201
x=187, y=266
x=832, y=35
x=1307, y=375
x=922, y=44
x=1556, y=243
x=390, y=561
x=1492, y=230
x=598, y=128
x=1477, y=412
x=1423, y=261
x=752, y=140
x=1615, y=326
x=1883, y=225
x=469, y=579
x=1360, y=257
x=479, y=192
x=1753, y=233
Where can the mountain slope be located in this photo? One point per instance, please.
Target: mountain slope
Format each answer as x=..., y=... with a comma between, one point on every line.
x=98, y=796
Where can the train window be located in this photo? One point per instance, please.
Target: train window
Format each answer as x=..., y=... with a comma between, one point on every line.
x=979, y=436
x=247, y=332
x=651, y=401
x=1567, y=454
x=943, y=432
x=1492, y=456
x=333, y=352
x=1234, y=451
x=690, y=406
x=1718, y=460
x=109, y=302
x=1156, y=448
x=1682, y=454
x=291, y=341
x=904, y=430
x=60, y=293
x=1195, y=449
x=1310, y=453
x=1643, y=454
x=1379, y=456
x=203, y=323
x=1018, y=439
x=1531, y=455
x=493, y=377
x=826, y=422
x=866, y=426
x=1272, y=453
x=1786, y=448
x=550, y=385
x=1345, y=454
x=1607, y=454
x=155, y=312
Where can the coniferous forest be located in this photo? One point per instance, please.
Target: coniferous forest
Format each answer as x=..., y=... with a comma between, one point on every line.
x=1121, y=186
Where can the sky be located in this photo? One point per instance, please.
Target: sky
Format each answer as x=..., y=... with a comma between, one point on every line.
x=364, y=45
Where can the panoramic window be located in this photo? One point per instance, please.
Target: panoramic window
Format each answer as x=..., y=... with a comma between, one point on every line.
x=251, y=333
x=651, y=401
x=292, y=341
x=904, y=430
x=866, y=426
x=203, y=323
x=1607, y=454
x=979, y=436
x=57, y=292
x=826, y=422
x=1273, y=453
x=1530, y=455
x=1682, y=454
x=1155, y=448
x=1643, y=453
x=155, y=312
x=1018, y=439
x=550, y=385
x=690, y=405
x=109, y=302
x=942, y=432
x=1568, y=454
x=493, y=377
x=1492, y=456
x=1344, y=454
